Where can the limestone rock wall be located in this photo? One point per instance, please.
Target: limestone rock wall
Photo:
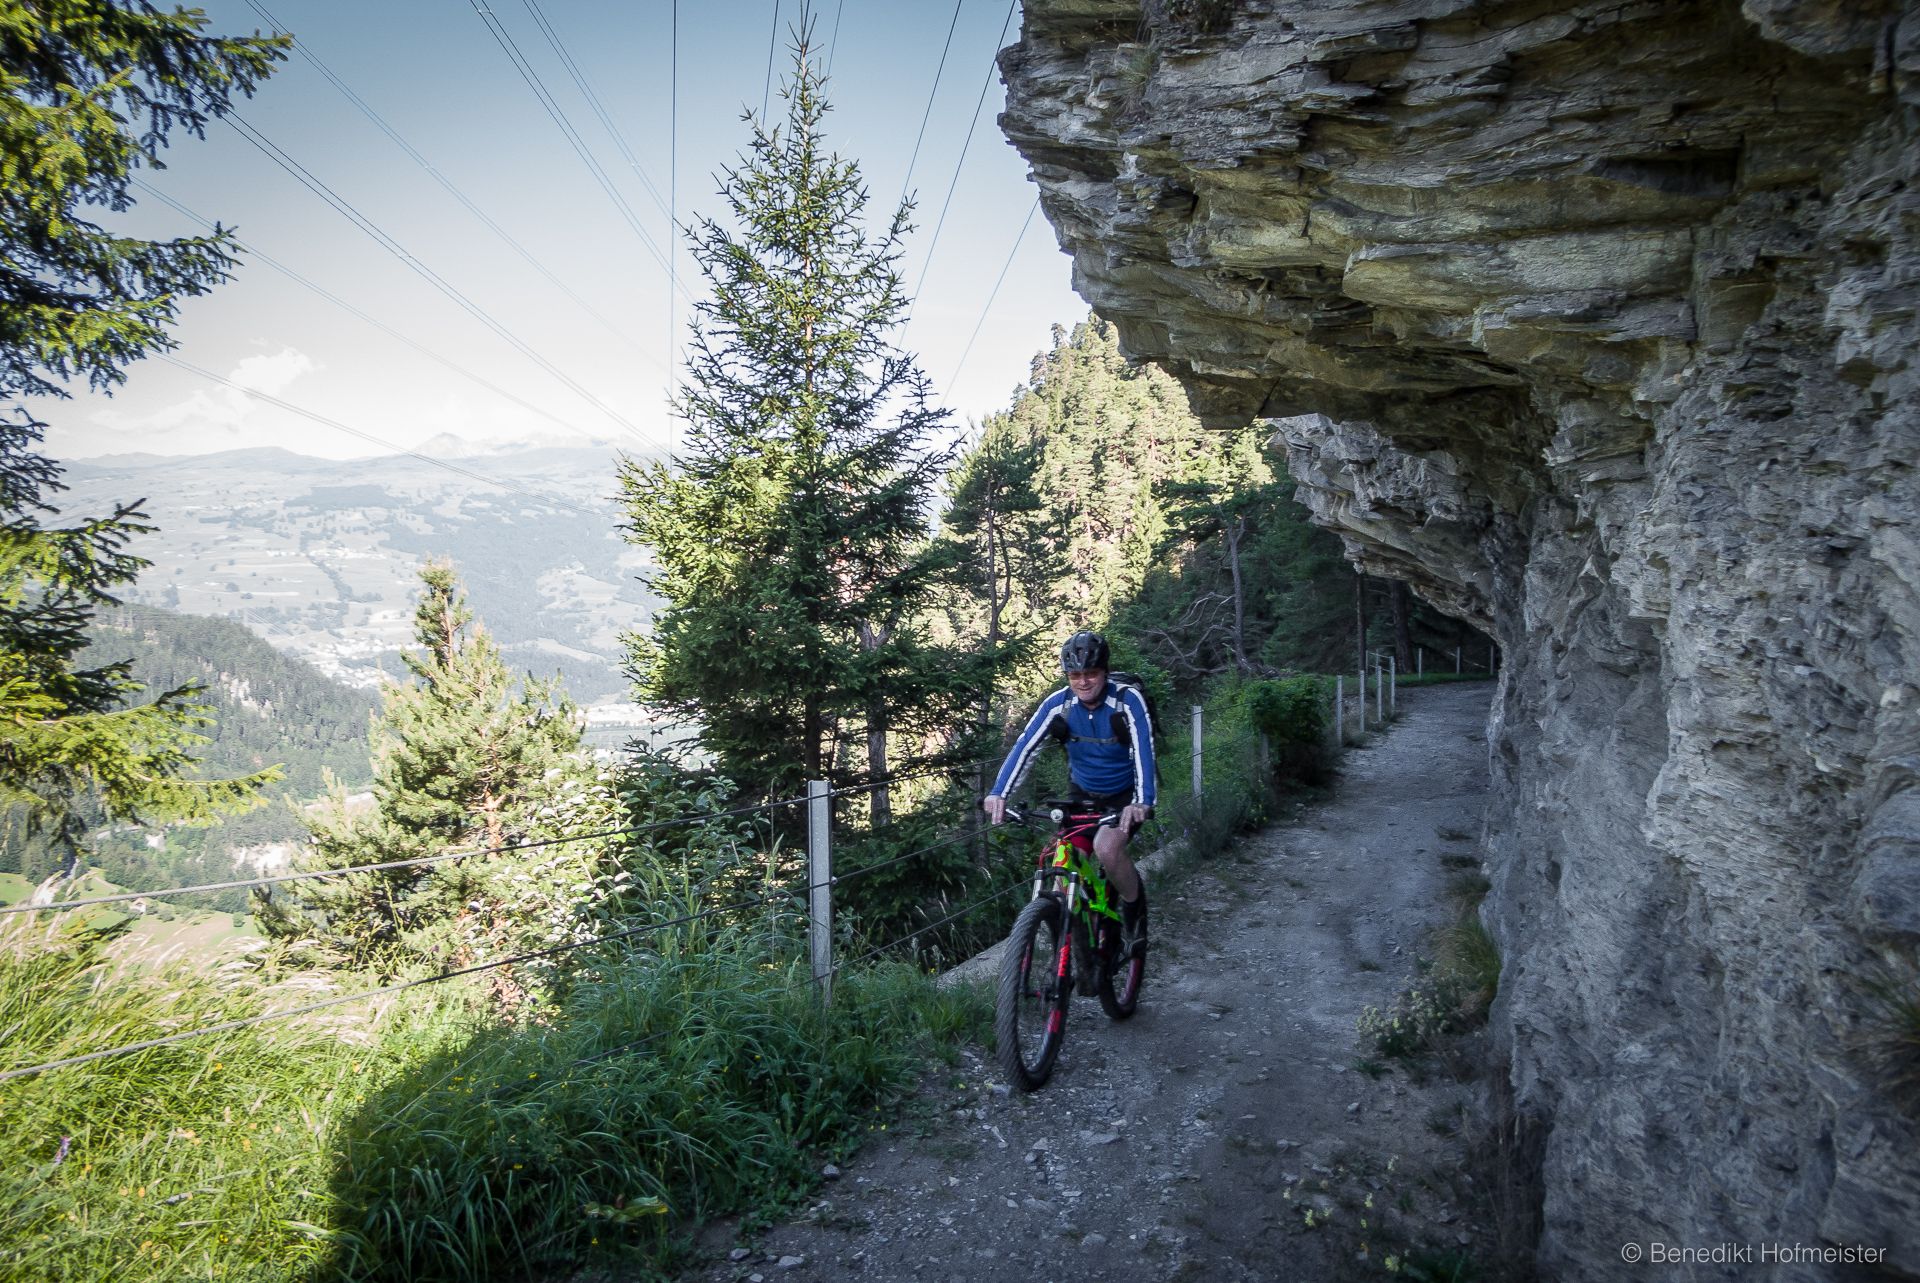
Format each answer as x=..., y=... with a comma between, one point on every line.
x=1595, y=322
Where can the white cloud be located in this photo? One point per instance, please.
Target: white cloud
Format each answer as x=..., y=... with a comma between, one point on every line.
x=214, y=417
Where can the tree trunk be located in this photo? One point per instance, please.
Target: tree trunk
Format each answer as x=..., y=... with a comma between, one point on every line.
x=871, y=639
x=1360, y=628
x=877, y=763
x=1235, y=529
x=1402, y=601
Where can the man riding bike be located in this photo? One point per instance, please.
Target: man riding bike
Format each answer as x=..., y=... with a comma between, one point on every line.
x=1108, y=735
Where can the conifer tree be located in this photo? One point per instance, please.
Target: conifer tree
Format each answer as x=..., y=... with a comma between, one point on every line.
x=790, y=530
x=462, y=758
x=88, y=92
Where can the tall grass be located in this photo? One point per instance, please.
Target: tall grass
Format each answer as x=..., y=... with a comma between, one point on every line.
x=428, y=1141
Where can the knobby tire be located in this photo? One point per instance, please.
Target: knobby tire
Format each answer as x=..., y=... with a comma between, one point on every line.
x=1118, y=979
x=1030, y=1008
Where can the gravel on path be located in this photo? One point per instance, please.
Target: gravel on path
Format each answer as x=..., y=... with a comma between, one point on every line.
x=1235, y=1128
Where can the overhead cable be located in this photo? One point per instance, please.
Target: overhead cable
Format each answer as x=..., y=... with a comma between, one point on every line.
x=433, y=172
x=991, y=295
x=587, y=91
x=256, y=252
x=766, y=89
x=833, y=45
x=558, y=115
x=445, y=465
x=306, y=179
x=971, y=125
x=907, y=183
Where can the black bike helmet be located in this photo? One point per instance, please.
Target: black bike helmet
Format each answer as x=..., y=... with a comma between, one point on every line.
x=1084, y=651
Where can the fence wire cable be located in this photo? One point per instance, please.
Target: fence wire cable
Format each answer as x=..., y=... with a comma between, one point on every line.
x=341, y=1000
x=385, y=866
x=1026, y=880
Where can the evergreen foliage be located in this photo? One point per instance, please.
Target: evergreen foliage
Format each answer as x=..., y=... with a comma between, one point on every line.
x=88, y=92
x=790, y=529
x=268, y=706
x=462, y=758
x=1067, y=504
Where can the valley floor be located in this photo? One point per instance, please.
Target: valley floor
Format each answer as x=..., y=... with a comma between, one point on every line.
x=1236, y=1128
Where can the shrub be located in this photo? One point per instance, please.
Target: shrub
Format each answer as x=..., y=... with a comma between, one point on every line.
x=1293, y=713
x=1288, y=710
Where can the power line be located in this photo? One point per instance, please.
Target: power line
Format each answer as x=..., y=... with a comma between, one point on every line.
x=317, y=417
x=971, y=125
x=419, y=159
x=991, y=295
x=511, y=48
x=587, y=91
x=766, y=89
x=833, y=45
x=907, y=182
x=345, y=208
x=351, y=310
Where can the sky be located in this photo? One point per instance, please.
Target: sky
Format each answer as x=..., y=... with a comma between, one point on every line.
x=564, y=332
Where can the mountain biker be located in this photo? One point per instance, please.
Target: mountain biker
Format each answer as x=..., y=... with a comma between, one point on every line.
x=1108, y=735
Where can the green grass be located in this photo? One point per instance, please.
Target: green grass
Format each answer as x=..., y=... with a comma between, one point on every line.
x=428, y=1141
x=14, y=888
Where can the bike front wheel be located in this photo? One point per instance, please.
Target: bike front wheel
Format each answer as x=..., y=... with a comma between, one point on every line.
x=1030, y=1011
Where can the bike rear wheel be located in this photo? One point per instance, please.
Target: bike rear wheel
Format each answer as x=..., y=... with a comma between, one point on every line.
x=1120, y=978
x=1030, y=1011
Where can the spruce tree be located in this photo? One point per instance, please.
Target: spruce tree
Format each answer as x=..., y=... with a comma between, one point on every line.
x=790, y=529
x=463, y=757
x=89, y=91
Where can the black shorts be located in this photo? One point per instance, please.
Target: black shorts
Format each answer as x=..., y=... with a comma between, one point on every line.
x=1104, y=801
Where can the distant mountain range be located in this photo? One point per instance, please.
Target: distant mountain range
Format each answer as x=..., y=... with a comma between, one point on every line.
x=321, y=556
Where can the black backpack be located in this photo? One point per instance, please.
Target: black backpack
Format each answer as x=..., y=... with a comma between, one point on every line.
x=1122, y=722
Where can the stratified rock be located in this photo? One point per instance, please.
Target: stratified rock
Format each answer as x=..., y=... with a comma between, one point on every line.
x=1595, y=322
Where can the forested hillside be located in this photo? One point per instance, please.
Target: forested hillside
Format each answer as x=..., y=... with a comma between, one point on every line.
x=268, y=709
x=1098, y=500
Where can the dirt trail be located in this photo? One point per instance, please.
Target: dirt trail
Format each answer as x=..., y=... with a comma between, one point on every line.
x=1225, y=1132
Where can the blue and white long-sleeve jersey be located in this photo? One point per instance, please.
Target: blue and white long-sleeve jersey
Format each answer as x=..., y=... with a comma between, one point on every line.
x=1102, y=756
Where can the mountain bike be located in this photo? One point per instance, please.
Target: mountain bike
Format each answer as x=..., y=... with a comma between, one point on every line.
x=1068, y=934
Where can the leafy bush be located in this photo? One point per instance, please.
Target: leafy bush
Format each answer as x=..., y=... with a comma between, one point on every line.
x=1289, y=710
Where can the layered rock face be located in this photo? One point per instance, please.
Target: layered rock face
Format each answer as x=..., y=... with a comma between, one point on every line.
x=1595, y=322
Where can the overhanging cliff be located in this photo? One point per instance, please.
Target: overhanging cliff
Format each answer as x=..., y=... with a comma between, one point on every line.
x=1593, y=321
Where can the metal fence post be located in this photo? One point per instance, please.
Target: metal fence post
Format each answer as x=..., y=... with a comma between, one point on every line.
x=1393, y=685
x=1419, y=661
x=820, y=884
x=1379, y=693
x=1339, y=710
x=1456, y=659
x=1198, y=712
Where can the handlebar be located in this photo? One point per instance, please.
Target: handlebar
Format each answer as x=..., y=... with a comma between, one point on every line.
x=1058, y=815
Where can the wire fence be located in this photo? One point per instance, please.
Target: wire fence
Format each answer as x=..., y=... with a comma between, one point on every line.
x=814, y=893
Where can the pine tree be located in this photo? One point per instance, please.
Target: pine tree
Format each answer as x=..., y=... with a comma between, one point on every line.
x=790, y=529
x=1006, y=544
x=461, y=759
x=88, y=92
